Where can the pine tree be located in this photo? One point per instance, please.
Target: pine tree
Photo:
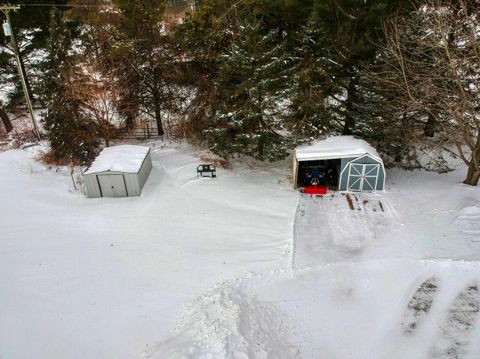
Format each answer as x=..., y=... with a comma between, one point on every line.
x=145, y=48
x=30, y=26
x=354, y=29
x=209, y=33
x=313, y=83
x=71, y=135
x=251, y=91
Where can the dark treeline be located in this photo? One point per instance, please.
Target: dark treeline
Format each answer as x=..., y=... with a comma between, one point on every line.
x=257, y=77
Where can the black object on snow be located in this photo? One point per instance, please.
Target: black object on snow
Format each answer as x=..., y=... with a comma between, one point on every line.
x=207, y=170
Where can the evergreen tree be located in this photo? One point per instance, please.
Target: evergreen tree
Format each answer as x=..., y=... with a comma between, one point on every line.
x=31, y=30
x=203, y=37
x=209, y=33
x=354, y=31
x=144, y=46
x=71, y=135
x=313, y=83
x=251, y=91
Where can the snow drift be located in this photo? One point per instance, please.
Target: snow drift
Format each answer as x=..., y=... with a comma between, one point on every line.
x=227, y=323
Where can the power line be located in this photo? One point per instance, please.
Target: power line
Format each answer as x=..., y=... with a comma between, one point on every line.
x=65, y=5
x=62, y=5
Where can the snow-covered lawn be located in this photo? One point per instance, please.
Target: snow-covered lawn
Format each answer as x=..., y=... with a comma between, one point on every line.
x=237, y=267
x=107, y=278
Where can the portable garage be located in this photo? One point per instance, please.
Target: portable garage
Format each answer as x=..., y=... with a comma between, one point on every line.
x=352, y=164
x=118, y=171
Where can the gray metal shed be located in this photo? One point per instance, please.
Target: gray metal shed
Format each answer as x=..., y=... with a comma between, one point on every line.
x=356, y=165
x=118, y=171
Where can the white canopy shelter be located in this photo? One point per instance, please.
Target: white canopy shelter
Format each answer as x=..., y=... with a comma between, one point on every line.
x=354, y=163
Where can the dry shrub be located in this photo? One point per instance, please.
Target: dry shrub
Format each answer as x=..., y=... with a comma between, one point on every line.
x=218, y=162
x=50, y=160
x=18, y=139
x=191, y=131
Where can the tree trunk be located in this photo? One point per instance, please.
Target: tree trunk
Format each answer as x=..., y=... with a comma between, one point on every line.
x=261, y=148
x=349, y=104
x=158, y=113
x=473, y=176
x=5, y=120
x=129, y=121
x=429, y=130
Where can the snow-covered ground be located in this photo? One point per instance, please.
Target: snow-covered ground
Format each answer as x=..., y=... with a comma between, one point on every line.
x=106, y=278
x=237, y=267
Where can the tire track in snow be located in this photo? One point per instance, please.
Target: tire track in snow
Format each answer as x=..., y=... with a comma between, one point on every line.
x=291, y=252
x=453, y=339
x=419, y=305
x=326, y=230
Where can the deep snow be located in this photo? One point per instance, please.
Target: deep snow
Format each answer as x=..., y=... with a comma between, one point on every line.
x=237, y=267
x=335, y=147
x=106, y=278
x=121, y=158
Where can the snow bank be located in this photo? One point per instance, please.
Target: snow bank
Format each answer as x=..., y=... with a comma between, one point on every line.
x=227, y=323
x=359, y=310
x=123, y=158
x=336, y=147
x=371, y=310
x=102, y=279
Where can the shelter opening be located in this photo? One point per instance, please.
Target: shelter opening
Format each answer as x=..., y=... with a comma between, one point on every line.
x=344, y=163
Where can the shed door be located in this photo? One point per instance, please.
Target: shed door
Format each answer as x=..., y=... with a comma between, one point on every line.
x=363, y=177
x=112, y=185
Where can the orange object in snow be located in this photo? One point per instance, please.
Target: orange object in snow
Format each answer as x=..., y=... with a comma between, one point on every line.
x=315, y=190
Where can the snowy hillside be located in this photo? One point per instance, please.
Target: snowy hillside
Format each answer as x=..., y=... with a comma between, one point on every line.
x=237, y=267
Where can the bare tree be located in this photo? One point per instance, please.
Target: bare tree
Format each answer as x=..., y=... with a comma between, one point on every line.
x=99, y=94
x=98, y=81
x=429, y=70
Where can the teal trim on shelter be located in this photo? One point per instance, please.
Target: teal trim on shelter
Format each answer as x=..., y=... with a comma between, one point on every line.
x=363, y=173
x=359, y=166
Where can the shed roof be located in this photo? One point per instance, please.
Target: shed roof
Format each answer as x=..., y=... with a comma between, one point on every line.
x=123, y=158
x=336, y=147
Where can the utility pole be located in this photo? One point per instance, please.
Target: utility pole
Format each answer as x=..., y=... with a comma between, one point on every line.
x=8, y=30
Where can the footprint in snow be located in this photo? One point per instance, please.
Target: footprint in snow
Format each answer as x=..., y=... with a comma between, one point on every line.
x=420, y=304
x=453, y=342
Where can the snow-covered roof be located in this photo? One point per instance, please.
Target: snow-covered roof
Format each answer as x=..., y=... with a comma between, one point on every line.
x=123, y=158
x=336, y=147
